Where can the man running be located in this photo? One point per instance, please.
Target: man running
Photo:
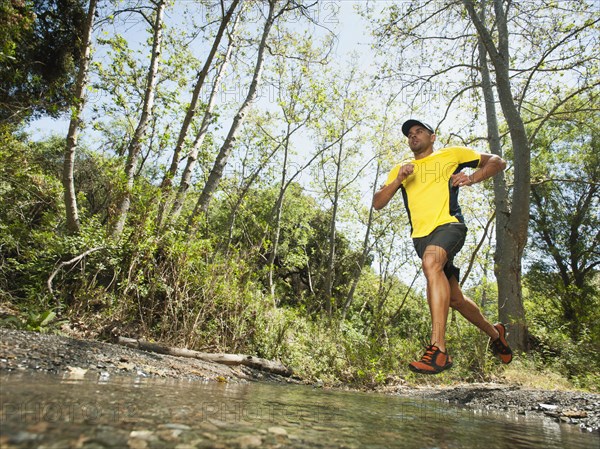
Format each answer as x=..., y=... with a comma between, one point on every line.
x=429, y=184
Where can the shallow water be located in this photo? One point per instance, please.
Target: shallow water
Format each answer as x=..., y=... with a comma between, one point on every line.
x=49, y=412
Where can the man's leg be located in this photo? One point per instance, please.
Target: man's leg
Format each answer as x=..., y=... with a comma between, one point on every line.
x=467, y=308
x=471, y=312
x=438, y=293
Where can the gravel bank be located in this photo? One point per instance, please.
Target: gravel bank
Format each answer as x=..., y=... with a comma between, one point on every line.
x=54, y=354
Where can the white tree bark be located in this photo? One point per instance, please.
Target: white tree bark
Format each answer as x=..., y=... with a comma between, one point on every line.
x=225, y=151
x=190, y=114
x=192, y=158
x=70, y=196
x=135, y=145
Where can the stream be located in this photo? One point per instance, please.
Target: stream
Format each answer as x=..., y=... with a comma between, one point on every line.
x=44, y=411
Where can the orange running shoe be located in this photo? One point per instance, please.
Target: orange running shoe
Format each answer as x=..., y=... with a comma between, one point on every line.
x=433, y=361
x=500, y=345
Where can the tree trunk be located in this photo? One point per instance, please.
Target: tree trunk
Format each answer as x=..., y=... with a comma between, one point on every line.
x=135, y=145
x=191, y=112
x=186, y=176
x=330, y=274
x=511, y=229
x=244, y=190
x=221, y=161
x=277, y=214
x=70, y=197
x=365, y=251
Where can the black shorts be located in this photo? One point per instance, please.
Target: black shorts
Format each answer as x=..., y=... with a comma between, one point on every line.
x=451, y=237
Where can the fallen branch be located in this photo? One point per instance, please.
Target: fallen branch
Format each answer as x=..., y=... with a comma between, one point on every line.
x=69, y=262
x=225, y=359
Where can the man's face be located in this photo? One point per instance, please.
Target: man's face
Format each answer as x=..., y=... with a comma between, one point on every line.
x=420, y=139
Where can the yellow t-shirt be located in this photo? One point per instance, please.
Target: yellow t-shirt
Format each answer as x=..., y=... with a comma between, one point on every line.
x=429, y=197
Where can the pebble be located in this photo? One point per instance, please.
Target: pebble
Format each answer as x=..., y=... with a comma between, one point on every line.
x=169, y=434
x=247, y=441
x=175, y=426
x=135, y=443
x=575, y=413
x=208, y=427
x=278, y=431
x=75, y=373
x=218, y=423
x=111, y=437
x=146, y=435
x=23, y=437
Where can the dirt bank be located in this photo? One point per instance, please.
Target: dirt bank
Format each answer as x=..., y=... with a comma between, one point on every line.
x=26, y=351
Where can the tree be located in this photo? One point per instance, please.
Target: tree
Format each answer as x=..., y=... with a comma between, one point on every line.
x=512, y=223
x=298, y=96
x=346, y=105
x=192, y=158
x=137, y=140
x=381, y=139
x=191, y=111
x=40, y=51
x=565, y=217
x=556, y=63
x=275, y=11
x=75, y=123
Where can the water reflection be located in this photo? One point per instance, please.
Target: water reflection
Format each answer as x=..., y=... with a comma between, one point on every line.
x=48, y=412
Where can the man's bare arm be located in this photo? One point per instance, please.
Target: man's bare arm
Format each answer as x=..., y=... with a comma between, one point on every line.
x=386, y=193
x=489, y=165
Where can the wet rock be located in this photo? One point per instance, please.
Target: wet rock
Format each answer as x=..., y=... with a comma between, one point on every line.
x=278, y=431
x=76, y=373
x=62, y=444
x=135, y=443
x=210, y=436
x=23, y=437
x=248, y=441
x=208, y=427
x=146, y=435
x=169, y=434
x=217, y=423
x=111, y=437
x=175, y=426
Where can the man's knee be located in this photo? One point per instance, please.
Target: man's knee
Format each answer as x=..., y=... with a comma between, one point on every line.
x=457, y=301
x=433, y=263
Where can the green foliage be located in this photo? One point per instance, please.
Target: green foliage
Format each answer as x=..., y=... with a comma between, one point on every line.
x=563, y=300
x=44, y=322
x=30, y=209
x=561, y=345
x=39, y=51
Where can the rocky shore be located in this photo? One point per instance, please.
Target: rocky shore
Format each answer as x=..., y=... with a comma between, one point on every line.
x=22, y=351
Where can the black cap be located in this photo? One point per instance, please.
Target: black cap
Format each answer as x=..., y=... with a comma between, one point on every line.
x=410, y=123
